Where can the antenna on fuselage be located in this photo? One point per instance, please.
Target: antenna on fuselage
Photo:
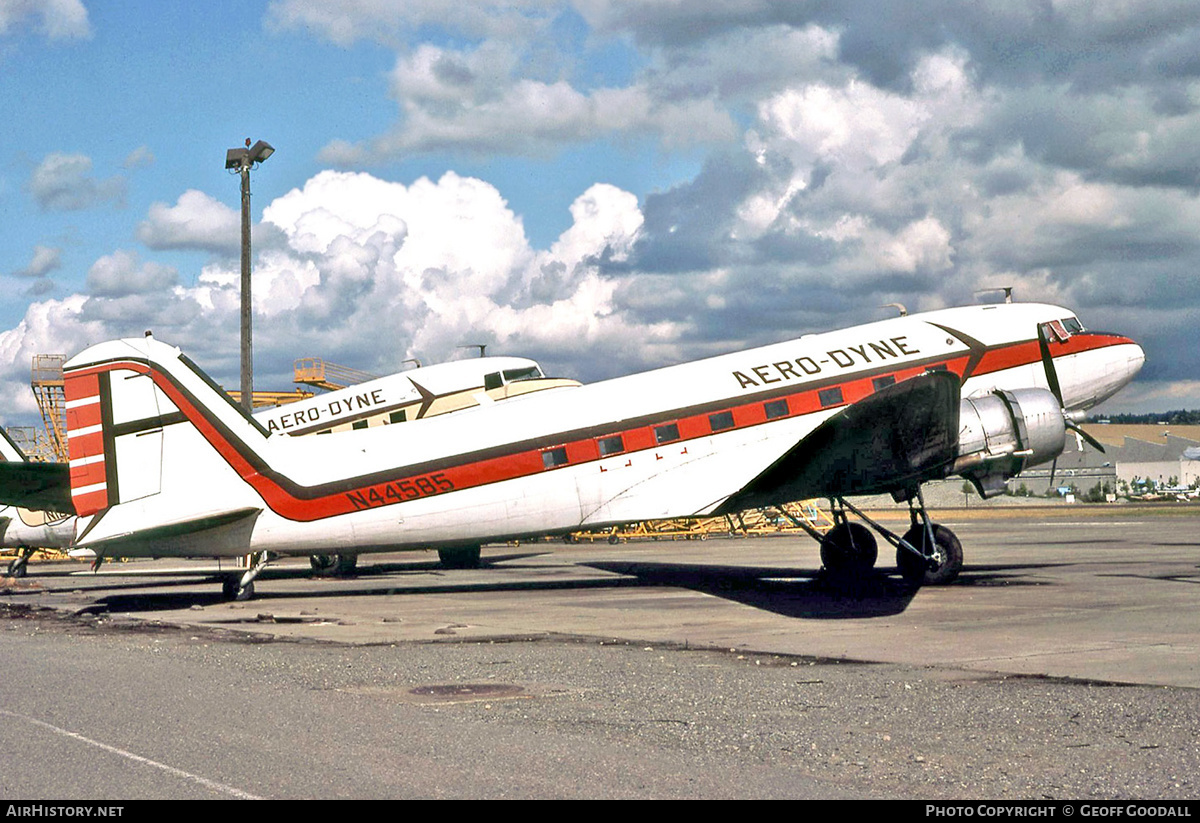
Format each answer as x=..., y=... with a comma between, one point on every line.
x=1008, y=290
x=481, y=346
x=900, y=306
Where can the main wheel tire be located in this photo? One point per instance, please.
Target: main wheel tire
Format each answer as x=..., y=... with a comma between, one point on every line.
x=947, y=553
x=343, y=565
x=465, y=557
x=849, y=547
x=321, y=562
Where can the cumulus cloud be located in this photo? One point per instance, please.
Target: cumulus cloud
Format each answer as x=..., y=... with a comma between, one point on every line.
x=346, y=21
x=45, y=260
x=370, y=272
x=56, y=19
x=64, y=182
x=475, y=101
x=196, y=221
x=139, y=158
x=121, y=274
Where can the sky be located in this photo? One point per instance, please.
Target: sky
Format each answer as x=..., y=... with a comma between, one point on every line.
x=604, y=186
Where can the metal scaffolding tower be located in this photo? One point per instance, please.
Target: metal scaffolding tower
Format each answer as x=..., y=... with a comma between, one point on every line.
x=46, y=378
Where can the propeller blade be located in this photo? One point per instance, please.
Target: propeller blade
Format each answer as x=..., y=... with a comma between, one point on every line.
x=1048, y=364
x=1091, y=441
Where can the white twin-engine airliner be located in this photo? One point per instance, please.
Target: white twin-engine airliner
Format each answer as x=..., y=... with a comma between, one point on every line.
x=163, y=464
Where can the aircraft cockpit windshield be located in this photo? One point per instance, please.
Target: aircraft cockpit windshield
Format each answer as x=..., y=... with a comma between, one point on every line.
x=502, y=378
x=1061, y=330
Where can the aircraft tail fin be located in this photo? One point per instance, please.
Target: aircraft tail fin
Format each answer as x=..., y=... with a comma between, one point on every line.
x=146, y=430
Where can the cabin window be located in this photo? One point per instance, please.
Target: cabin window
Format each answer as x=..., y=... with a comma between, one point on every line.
x=936, y=367
x=776, y=408
x=397, y=417
x=358, y=424
x=611, y=445
x=830, y=397
x=883, y=382
x=666, y=433
x=720, y=421
x=553, y=458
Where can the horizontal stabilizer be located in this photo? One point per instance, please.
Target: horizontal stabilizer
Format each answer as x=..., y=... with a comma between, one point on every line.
x=188, y=527
x=902, y=435
x=45, y=486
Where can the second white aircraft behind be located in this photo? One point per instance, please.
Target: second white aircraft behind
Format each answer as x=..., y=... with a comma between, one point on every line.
x=163, y=464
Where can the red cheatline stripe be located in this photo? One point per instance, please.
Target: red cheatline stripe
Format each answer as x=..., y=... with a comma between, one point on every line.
x=513, y=466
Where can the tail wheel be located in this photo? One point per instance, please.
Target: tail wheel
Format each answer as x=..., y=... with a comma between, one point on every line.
x=946, y=555
x=849, y=547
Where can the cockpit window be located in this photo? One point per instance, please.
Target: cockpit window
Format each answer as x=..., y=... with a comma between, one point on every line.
x=1072, y=325
x=514, y=375
x=1057, y=330
x=497, y=378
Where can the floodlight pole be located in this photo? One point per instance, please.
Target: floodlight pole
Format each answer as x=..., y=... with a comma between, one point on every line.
x=241, y=160
x=247, y=394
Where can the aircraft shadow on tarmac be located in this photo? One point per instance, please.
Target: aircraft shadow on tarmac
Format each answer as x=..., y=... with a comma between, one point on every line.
x=791, y=592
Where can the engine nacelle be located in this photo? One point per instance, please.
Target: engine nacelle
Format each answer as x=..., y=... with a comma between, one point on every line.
x=1005, y=432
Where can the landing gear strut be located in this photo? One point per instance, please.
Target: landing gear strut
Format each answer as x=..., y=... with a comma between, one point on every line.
x=927, y=554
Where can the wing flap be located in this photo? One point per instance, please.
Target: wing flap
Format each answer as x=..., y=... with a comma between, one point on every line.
x=901, y=435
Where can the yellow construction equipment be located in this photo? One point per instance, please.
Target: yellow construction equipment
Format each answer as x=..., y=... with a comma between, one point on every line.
x=46, y=378
x=313, y=371
x=752, y=523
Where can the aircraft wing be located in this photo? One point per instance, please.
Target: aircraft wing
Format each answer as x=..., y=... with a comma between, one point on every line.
x=897, y=437
x=45, y=486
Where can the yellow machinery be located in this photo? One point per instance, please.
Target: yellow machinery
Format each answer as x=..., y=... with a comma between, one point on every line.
x=804, y=515
x=313, y=371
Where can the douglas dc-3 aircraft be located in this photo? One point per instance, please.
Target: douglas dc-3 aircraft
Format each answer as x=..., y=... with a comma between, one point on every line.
x=163, y=464
x=414, y=394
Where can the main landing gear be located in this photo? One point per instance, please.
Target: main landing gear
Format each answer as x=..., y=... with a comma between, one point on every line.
x=927, y=554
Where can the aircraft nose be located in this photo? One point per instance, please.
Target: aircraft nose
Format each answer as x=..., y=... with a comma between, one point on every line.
x=1136, y=358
